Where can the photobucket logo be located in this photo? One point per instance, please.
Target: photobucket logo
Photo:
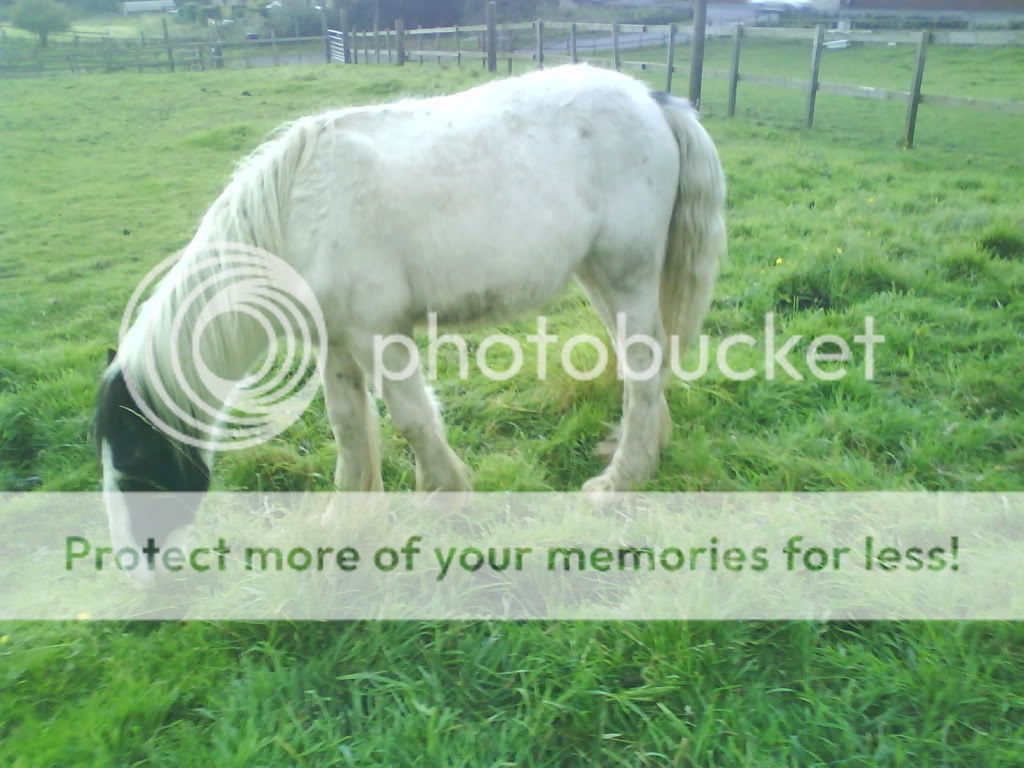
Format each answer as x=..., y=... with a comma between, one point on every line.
x=826, y=358
x=229, y=348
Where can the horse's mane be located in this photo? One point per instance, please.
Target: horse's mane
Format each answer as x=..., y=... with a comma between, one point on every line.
x=249, y=212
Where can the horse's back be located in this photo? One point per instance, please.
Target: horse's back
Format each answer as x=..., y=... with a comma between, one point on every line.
x=487, y=201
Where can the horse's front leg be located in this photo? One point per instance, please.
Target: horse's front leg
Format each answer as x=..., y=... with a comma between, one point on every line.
x=353, y=416
x=416, y=417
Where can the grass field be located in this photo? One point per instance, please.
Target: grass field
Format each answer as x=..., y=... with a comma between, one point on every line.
x=104, y=176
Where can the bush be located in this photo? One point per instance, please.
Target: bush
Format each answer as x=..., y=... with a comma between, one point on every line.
x=41, y=17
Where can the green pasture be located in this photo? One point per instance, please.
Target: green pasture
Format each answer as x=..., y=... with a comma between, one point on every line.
x=102, y=176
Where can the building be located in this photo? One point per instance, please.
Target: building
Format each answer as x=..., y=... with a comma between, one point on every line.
x=147, y=6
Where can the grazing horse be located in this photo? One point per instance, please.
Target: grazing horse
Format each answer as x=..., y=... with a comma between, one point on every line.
x=473, y=206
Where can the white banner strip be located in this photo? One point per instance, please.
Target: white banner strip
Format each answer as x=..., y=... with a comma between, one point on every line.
x=515, y=556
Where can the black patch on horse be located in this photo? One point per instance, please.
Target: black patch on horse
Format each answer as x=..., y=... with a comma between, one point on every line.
x=150, y=462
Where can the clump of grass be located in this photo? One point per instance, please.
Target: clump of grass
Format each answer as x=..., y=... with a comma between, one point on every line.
x=964, y=264
x=18, y=443
x=836, y=283
x=1004, y=243
x=231, y=138
x=271, y=467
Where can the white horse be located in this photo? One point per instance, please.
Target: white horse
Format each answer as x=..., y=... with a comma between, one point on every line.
x=472, y=206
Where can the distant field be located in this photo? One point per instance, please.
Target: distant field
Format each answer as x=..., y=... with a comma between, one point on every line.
x=116, y=25
x=105, y=175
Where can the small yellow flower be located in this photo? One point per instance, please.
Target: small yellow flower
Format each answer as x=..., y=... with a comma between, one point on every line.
x=871, y=201
x=839, y=251
x=5, y=639
x=83, y=616
x=778, y=261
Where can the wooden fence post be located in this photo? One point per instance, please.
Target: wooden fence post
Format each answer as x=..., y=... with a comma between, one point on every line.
x=323, y=31
x=915, y=91
x=400, y=42
x=812, y=88
x=540, y=43
x=734, y=71
x=615, y=47
x=458, y=47
x=700, y=16
x=346, y=36
x=376, y=28
x=670, y=57
x=167, y=42
x=273, y=46
x=492, y=37
x=572, y=43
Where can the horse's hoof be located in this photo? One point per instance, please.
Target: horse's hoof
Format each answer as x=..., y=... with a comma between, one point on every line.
x=599, y=484
x=331, y=516
x=458, y=482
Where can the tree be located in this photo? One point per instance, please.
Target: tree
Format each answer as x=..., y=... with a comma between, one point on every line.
x=41, y=17
x=294, y=17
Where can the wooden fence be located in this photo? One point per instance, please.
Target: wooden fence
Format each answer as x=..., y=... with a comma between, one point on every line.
x=536, y=44
x=80, y=52
x=558, y=42
x=819, y=38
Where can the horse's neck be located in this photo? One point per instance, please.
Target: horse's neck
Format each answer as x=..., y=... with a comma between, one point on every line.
x=192, y=336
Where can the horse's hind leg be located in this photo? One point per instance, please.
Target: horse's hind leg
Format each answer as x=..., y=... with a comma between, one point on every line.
x=415, y=415
x=353, y=416
x=646, y=424
x=606, y=447
x=597, y=291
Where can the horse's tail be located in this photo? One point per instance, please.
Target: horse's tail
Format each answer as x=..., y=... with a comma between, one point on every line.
x=696, y=239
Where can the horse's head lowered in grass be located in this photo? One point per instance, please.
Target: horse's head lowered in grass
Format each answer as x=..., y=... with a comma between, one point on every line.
x=151, y=481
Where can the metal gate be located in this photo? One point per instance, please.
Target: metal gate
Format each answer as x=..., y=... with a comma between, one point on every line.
x=336, y=45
